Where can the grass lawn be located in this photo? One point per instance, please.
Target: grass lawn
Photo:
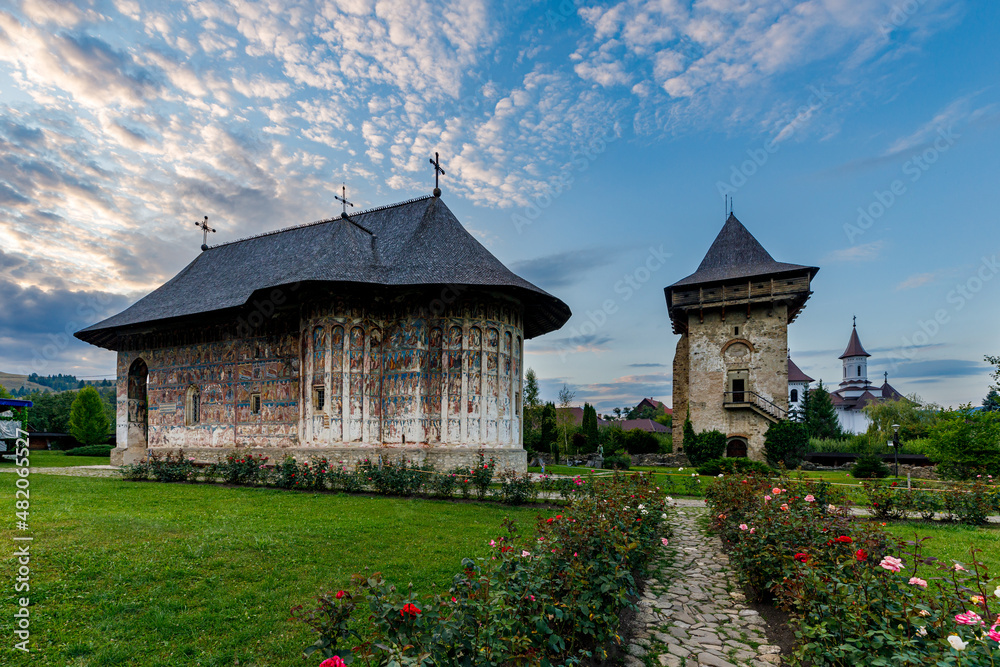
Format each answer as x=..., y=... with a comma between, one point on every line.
x=951, y=542
x=56, y=459
x=167, y=574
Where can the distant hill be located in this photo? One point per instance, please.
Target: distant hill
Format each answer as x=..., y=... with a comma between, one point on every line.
x=20, y=383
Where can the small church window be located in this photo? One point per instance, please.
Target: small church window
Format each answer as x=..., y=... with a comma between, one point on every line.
x=795, y=395
x=192, y=405
x=255, y=404
x=319, y=397
x=736, y=331
x=859, y=371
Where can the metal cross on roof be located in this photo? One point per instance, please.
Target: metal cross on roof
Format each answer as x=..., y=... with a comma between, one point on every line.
x=855, y=321
x=343, y=199
x=438, y=171
x=205, y=230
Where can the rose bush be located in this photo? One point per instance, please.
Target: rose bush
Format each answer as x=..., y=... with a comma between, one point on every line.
x=552, y=598
x=858, y=596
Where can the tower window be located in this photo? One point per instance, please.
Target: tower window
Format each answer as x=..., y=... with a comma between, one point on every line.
x=859, y=371
x=736, y=331
x=795, y=395
x=255, y=404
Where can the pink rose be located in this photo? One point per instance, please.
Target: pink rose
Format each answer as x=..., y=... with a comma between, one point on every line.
x=776, y=491
x=743, y=526
x=766, y=498
x=916, y=581
x=968, y=618
x=664, y=540
x=810, y=499
x=335, y=661
x=891, y=563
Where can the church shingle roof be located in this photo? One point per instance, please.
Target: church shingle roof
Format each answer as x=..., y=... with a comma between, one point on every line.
x=735, y=253
x=414, y=243
x=795, y=374
x=854, y=348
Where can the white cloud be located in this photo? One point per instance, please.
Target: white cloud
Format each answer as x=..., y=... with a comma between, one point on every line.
x=917, y=280
x=865, y=252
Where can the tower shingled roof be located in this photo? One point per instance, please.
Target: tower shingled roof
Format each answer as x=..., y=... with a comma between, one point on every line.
x=735, y=253
x=414, y=243
x=854, y=348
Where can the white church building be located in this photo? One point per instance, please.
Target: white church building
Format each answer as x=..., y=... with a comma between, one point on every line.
x=855, y=391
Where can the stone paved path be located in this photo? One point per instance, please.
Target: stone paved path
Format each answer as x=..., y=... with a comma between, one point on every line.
x=694, y=616
x=73, y=471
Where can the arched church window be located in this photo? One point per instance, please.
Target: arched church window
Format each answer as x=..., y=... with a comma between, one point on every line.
x=859, y=371
x=795, y=395
x=192, y=406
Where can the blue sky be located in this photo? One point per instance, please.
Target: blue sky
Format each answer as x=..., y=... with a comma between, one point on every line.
x=587, y=145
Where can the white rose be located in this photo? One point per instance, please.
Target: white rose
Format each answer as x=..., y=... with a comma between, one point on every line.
x=957, y=643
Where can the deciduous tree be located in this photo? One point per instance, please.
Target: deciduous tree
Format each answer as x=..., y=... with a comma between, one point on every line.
x=88, y=422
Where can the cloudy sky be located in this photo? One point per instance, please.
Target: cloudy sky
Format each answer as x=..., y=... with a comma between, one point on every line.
x=588, y=145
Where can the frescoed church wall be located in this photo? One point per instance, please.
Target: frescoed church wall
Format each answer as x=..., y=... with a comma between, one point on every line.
x=227, y=375
x=399, y=378
x=441, y=385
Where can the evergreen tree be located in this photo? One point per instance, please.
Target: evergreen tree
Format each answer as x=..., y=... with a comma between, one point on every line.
x=798, y=414
x=992, y=401
x=566, y=396
x=547, y=439
x=820, y=417
x=589, y=426
x=88, y=422
x=690, y=437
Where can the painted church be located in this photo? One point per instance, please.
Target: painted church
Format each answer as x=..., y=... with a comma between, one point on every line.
x=855, y=390
x=386, y=332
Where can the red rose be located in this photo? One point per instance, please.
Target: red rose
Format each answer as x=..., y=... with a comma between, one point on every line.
x=861, y=555
x=340, y=594
x=410, y=609
x=802, y=558
x=845, y=539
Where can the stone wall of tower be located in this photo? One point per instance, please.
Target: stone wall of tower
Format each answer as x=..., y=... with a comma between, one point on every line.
x=680, y=391
x=720, y=348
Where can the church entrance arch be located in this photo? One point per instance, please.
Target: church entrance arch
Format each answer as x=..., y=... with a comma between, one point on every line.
x=736, y=447
x=138, y=412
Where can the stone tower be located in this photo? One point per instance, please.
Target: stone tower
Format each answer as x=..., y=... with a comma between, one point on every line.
x=731, y=364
